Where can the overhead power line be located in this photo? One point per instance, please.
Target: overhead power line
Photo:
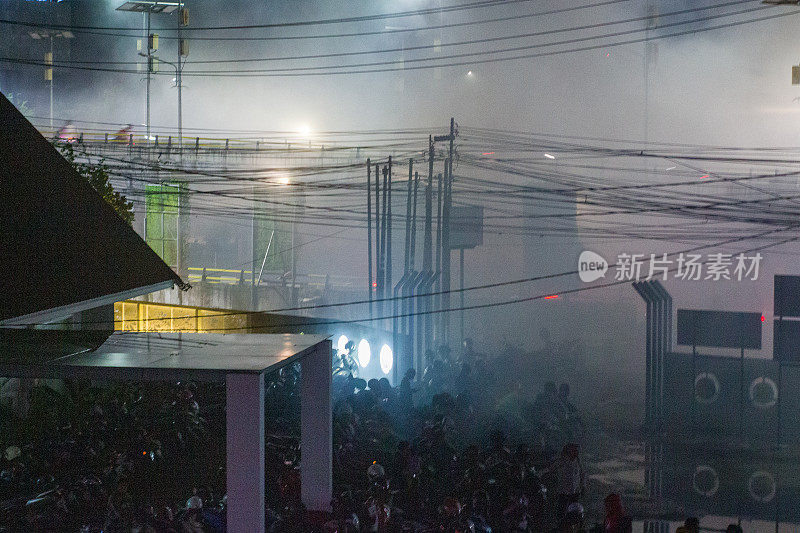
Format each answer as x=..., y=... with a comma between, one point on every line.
x=318, y=22
x=456, y=43
x=325, y=70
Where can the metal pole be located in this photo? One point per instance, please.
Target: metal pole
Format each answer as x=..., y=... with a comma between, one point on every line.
x=255, y=257
x=446, y=235
x=377, y=235
x=438, y=299
x=427, y=256
x=369, y=237
x=388, y=281
x=461, y=286
x=178, y=79
x=406, y=321
x=264, y=262
x=407, y=252
x=382, y=279
x=427, y=248
x=446, y=250
x=52, y=68
x=149, y=65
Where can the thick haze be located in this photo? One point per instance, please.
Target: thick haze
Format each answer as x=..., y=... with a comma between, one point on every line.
x=728, y=87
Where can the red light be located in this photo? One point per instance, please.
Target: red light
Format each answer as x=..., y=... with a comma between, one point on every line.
x=608, y=54
x=551, y=297
x=762, y=318
x=703, y=177
x=487, y=153
x=374, y=284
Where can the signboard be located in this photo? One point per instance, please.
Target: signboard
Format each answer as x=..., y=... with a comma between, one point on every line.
x=466, y=227
x=787, y=296
x=721, y=329
x=786, y=340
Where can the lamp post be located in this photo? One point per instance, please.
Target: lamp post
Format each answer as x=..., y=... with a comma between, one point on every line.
x=48, y=57
x=177, y=67
x=147, y=7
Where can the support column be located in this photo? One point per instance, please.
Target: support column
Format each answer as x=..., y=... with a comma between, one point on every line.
x=245, y=451
x=316, y=434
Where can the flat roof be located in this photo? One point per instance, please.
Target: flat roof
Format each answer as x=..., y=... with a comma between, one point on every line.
x=151, y=356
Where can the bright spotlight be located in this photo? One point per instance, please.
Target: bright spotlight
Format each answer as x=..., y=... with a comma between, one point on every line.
x=386, y=358
x=470, y=73
x=341, y=344
x=283, y=180
x=363, y=353
x=549, y=156
x=304, y=130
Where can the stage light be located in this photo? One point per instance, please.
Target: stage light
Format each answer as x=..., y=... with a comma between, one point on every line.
x=341, y=344
x=386, y=358
x=363, y=353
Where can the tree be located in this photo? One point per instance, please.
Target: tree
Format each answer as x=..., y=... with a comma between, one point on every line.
x=98, y=175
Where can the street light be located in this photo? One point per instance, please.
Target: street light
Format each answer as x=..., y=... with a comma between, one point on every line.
x=178, y=84
x=147, y=7
x=48, y=58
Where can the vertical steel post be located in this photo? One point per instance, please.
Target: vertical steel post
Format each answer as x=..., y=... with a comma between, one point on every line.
x=369, y=238
x=388, y=280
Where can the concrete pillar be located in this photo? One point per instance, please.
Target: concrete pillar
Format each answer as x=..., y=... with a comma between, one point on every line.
x=316, y=434
x=245, y=451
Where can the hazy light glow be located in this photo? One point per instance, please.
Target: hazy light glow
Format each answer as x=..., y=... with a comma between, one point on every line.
x=386, y=358
x=304, y=131
x=342, y=342
x=548, y=156
x=363, y=353
x=283, y=180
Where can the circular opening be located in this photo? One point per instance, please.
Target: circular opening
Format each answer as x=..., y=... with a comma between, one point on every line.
x=762, y=486
x=341, y=344
x=363, y=353
x=386, y=358
x=705, y=481
x=763, y=393
x=706, y=388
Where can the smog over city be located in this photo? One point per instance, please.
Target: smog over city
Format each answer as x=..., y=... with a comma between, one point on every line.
x=549, y=247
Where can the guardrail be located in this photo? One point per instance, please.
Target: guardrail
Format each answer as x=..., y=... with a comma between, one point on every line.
x=245, y=277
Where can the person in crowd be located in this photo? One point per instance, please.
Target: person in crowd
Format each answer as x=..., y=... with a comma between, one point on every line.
x=690, y=525
x=616, y=520
x=570, y=477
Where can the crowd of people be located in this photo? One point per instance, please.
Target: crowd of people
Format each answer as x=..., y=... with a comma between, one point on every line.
x=460, y=448
x=86, y=457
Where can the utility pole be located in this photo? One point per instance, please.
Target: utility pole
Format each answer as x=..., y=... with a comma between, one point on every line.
x=369, y=237
x=427, y=262
x=148, y=43
x=448, y=200
x=388, y=280
x=146, y=7
x=444, y=244
x=50, y=64
x=427, y=247
x=37, y=34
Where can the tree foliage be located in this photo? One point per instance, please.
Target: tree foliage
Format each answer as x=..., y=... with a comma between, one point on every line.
x=98, y=176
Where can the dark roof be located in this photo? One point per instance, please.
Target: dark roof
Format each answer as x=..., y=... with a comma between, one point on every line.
x=142, y=356
x=64, y=249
